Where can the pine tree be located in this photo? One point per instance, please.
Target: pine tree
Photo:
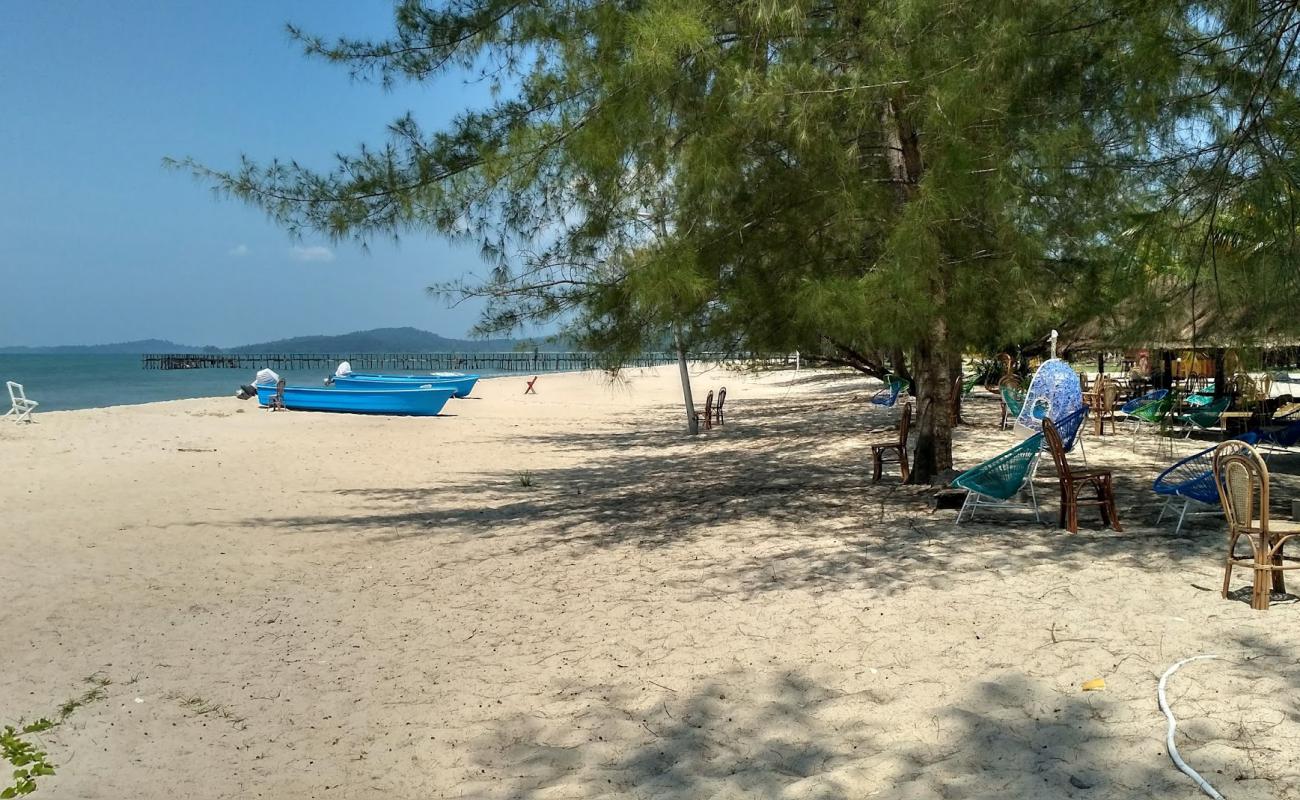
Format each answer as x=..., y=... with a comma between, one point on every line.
x=910, y=178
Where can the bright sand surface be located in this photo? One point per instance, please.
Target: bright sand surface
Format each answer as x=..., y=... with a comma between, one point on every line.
x=298, y=605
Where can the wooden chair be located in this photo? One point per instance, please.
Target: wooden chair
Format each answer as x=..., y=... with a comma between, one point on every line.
x=1242, y=480
x=277, y=399
x=1105, y=398
x=706, y=419
x=718, y=418
x=1074, y=481
x=898, y=446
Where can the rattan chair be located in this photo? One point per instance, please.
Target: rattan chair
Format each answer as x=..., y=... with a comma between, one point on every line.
x=705, y=420
x=1074, y=481
x=898, y=447
x=1242, y=480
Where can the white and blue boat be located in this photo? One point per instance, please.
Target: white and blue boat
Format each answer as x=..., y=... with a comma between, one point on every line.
x=462, y=385
x=413, y=401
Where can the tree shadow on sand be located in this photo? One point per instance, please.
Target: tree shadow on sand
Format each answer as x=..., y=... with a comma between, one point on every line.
x=796, y=465
x=785, y=735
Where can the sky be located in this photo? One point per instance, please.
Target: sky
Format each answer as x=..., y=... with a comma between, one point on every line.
x=99, y=243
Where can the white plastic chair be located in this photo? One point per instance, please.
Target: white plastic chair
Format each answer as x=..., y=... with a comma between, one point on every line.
x=22, y=407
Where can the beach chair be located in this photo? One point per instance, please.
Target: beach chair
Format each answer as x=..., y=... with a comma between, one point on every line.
x=1070, y=429
x=717, y=409
x=1138, y=402
x=1104, y=409
x=1204, y=417
x=1241, y=478
x=888, y=396
x=20, y=407
x=706, y=419
x=997, y=481
x=277, y=399
x=1192, y=481
x=897, y=446
x=1074, y=481
x=1013, y=397
x=1152, y=414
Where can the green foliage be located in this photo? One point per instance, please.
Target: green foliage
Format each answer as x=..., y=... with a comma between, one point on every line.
x=524, y=479
x=29, y=761
x=911, y=177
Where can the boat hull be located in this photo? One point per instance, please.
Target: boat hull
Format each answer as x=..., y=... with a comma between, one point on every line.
x=461, y=384
x=414, y=401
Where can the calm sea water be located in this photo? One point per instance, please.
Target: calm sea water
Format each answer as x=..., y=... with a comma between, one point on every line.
x=62, y=382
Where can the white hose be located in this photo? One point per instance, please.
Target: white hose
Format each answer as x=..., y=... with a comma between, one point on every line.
x=1173, y=725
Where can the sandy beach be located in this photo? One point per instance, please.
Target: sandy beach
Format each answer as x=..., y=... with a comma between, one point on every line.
x=561, y=596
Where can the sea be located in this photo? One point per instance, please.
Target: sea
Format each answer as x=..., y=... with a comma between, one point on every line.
x=64, y=382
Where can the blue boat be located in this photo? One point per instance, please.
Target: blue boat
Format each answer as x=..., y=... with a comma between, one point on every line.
x=461, y=384
x=414, y=401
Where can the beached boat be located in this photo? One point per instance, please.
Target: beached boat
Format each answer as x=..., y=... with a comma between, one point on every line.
x=414, y=401
x=462, y=384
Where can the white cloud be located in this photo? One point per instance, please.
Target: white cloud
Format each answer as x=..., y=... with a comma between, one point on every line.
x=239, y=251
x=314, y=252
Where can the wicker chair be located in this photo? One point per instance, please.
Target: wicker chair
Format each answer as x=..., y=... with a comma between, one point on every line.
x=1104, y=399
x=994, y=483
x=1242, y=480
x=899, y=447
x=1074, y=481
x=718, y=417
x=705, y=420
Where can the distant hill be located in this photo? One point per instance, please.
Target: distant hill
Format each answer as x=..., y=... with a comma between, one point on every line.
x=378, y=340
x=120, y=348
x=382, y=340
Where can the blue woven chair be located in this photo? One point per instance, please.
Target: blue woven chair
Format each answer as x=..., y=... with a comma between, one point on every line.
x=1070, y=427
x=1282, y=437
x=1201, y=397
x=889, y=395
x=997, y=481
x=1192, y=479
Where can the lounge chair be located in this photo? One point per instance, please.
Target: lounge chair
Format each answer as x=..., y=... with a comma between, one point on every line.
x=994, y=483
x=20, y=407
x=1241, y=478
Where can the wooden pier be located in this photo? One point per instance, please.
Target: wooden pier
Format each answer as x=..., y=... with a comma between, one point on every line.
x=535, y=361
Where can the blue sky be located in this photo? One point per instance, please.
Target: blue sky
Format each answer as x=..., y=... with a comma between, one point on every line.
x=99, y=243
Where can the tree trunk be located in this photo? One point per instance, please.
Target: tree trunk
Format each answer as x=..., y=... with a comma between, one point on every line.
x=931, y=375
x=933, y=405
x=692, y=424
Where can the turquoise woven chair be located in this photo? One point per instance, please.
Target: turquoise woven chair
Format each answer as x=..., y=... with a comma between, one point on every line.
x=996, y=482
x=1203, y=418
x=1012, y=399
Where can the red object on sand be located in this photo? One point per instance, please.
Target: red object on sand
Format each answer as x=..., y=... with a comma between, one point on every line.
x=530, y=389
